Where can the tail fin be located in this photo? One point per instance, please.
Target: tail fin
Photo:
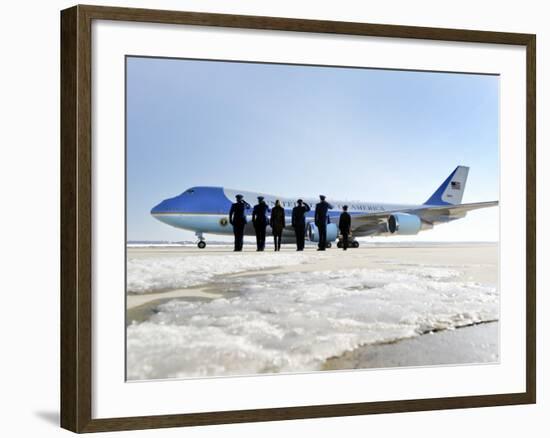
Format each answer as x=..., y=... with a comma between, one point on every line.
x=452, y=189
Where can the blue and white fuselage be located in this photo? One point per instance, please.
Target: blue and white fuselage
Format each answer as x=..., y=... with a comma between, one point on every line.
x=205, y=209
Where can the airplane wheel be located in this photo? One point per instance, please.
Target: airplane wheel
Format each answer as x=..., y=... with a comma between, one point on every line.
x=329, y=245
x=356, y=244
x=339, y=245
x=201, y=244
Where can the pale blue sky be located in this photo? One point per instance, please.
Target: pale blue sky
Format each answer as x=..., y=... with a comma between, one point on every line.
x=372, y=135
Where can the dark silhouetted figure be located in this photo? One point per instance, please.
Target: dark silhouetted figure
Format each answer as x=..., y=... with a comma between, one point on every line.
x=237, y=218
x=260, y=221
x=277, y=223
x=345, y=227
x=299, y=223
x=321, y=220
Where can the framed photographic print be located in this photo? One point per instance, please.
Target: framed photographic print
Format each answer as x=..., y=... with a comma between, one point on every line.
x=270, y=218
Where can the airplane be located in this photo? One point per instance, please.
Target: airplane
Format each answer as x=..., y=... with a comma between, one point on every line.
x=205, y=209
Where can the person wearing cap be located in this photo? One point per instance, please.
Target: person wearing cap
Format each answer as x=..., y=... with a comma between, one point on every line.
x=277, y=223
x=345, y=226
x=299, y=223
x=260, y=221
x=321, y=220
x=237, y=218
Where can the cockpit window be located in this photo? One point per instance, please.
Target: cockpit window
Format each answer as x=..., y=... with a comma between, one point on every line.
x=188, y=192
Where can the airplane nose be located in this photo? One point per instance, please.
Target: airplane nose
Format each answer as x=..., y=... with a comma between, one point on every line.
x=162, y=211
x=156, y=209
x=170, y=205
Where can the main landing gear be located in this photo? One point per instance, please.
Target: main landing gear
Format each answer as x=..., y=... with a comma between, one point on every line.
x=352, y=244
x=201, y=243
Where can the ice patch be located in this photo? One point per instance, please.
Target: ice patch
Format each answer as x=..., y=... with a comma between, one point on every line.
x=151, y=274
x=293, y=322
x=436, y=273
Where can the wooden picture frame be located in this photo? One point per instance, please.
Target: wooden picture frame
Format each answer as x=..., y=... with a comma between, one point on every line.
x=76, y=218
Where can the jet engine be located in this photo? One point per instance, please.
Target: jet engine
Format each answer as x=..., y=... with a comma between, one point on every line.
x=313, y=232
x=404, y=223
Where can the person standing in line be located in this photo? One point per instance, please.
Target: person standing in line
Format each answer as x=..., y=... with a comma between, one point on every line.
x=260, y=221
x=321, y=220
x=277, y=223
x=299, y=223
x=345, y=227
x=237, y=218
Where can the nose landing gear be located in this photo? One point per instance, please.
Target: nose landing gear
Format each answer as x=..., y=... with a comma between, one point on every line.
x=201, y=243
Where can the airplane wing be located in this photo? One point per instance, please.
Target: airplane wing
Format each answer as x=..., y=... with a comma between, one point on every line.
x=444, y=213
x=375, y=223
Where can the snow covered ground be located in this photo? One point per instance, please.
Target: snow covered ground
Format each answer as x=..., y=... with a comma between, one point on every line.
x=291, y=312
x=166, y=272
